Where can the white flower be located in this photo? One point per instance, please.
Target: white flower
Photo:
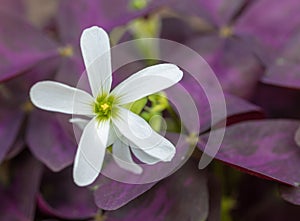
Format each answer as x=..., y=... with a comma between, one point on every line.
x=105, y=111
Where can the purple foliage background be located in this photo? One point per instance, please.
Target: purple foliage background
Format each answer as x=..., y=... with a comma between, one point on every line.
x=252, y=46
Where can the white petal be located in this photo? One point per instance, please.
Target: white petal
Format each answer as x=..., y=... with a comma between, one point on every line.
x=91, y=151
x=112, y=137
x=144, y=157
x=95, y=49
x=141, y=155
x=58, y=97
x=147, y=81
x=79, y=122
x=122, y=156
x=138, y=132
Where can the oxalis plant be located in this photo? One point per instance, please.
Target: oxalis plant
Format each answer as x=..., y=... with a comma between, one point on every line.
x=82, y=140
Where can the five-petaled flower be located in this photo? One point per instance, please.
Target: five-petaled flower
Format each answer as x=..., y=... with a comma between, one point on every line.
x=109, y=122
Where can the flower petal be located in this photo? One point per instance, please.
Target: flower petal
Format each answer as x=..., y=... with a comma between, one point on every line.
x=54, y=96
x=138, y=131
x=91, y=152
x=147, y=81
x=95, y=49
x=122, y=156
x=112, y=136
x=79, y=122
x=144, y=157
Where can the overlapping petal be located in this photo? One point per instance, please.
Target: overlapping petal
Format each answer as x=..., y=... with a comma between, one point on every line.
x=139, y=132
x=91, y=152
x=144, y=157
x=122, y=156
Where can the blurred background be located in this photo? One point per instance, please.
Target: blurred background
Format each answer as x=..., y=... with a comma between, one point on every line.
x=252, y=46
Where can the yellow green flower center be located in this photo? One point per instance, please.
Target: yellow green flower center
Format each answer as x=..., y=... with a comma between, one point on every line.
x=103, y=107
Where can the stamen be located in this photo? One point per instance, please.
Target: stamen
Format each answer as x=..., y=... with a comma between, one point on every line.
x=104, y=106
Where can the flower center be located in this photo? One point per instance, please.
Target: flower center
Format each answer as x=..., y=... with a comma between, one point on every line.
x=103, y=106
x=226, y=32
x=66, y=51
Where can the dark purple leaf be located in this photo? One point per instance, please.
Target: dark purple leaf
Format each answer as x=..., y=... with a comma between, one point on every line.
x=73, y=18
x=216, y=12
x=290, y=194
x=70, y=70
x=222, y=11
x=290, y=51
x=111, y=193
x=283, y=75
x=60, y=197
x=215, y=196
x=15, y=7
x=237, y=109
x=18, y=196
x=232, y=61
x=272, y=24
x=21, y=46
x=16, y=148
x=284, y=71
x=169, y=30
x=279, y=102
x=259, y=200
x=182, y=196
x=264, y=148
x=10, y=123
x=192, y=8
x=49, y=140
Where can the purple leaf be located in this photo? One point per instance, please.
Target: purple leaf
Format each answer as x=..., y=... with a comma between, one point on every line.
x=264, y=148
x=21, y=46
x=167, y=201
x=16, y=148
x=283, y=75
x=284, y=71
x=216, y=12
x=16, y=7
x=10, y=123
x=222, y=11
x=73, y=18
x=232, y=61
x=290, y=194
x=61, y=198
x=49, y=140
x=237, y=108
x=18, y=197
x=70, y=70
x=112, y=194
x=285, y=105
x=264, y=20
x=169, y=29
x=215, y=196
